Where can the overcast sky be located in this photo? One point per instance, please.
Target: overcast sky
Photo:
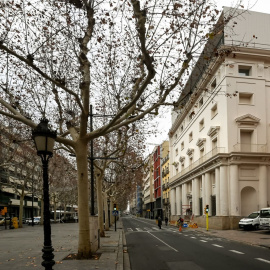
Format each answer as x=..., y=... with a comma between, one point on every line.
x=164, y=122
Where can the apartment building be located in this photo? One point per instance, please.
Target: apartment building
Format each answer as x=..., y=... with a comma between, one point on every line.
x=148, y=190
x=220, y=136
x=165, y=183
x=19, y=173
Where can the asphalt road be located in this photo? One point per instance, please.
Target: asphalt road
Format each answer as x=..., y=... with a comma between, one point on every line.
x=168, y=249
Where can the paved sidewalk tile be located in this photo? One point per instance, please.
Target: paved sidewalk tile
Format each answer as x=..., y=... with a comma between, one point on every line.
x=21, y=248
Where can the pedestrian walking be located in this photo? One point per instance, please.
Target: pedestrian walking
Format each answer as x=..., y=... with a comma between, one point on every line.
x=166, y=221
x=159, y=222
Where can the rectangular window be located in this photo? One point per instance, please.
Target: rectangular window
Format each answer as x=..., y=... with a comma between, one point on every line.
x=244, y=71
x=214, y=143
x=191, y=115
x=214, y=111
x=246, y=98
x=201, y=124
x=246, y=139
x=213, y=84
x=200, y=102
x=190, y=136
x=176, y=151
x=182, y=166
x=182, y=145
x=201, y=152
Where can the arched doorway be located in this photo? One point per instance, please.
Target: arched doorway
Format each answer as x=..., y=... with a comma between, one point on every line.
x=248, y=201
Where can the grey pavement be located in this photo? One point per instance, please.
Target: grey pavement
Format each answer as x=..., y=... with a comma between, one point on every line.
x=252, y=237
x=21, y=248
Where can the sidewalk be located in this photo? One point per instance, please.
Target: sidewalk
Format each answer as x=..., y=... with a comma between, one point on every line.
x=21, y=248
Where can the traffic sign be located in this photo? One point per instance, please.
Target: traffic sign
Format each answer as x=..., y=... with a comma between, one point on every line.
x=115, y=213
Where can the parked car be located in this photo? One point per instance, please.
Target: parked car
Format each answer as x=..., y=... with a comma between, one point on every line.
x=29, y=221
x=265, y=218
x=250, y=222
x=2, y=221
x=37, y=220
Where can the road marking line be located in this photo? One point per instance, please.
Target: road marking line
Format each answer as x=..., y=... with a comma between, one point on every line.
x=262, y=260
x=203, y=241
x=193, y=237
x=129, y=229
x=164, y=242
x=139, y=229
x=235, y=251
x=217, y=245
x=186, y=235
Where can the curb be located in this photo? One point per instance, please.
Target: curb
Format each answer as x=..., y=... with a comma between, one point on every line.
x=120, y=254
x=125, y=254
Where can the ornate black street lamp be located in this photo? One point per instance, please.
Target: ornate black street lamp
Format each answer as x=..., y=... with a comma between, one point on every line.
x=44, y=142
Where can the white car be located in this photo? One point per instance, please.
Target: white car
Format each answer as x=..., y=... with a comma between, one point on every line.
x=37, y=220
x=250, y=222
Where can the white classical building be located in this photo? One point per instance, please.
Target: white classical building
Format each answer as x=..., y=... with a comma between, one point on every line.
x=220, y=136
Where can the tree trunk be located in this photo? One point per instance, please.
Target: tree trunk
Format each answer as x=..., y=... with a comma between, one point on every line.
x=100, y=206
x=84, y=246
x=65, y=211
x=107, y=226
x=21, y=208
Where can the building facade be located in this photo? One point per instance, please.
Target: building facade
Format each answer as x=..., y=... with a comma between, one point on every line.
x=220, y=136
x=165, y=181
x=148, y=190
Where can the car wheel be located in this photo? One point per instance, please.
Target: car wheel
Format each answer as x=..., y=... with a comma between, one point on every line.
x=256, y=227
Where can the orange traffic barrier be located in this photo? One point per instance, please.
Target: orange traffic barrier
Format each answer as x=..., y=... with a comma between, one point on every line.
x=180, y=228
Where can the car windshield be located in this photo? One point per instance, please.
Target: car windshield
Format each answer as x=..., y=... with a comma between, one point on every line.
x=253, y=215
x=265, y=213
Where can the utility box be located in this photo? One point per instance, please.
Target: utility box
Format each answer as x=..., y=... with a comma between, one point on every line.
x=15, y=223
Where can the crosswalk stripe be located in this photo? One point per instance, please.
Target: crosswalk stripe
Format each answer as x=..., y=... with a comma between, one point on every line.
x=262, y=260
x=217, y=245
x=235, y=251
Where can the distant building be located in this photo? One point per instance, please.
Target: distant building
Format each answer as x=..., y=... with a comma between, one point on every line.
x=18, y=176
x=148, y=189
x=165, y=180
x=159, y=154
x=220, y=136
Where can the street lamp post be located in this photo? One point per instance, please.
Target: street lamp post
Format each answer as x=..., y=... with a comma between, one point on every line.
x=10, y=219
x=44, y=141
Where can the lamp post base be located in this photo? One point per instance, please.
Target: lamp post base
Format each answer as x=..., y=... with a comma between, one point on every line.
x=48, y=256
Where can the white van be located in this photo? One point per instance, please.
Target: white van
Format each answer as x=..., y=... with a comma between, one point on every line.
x=250, y=222
x=265, y=218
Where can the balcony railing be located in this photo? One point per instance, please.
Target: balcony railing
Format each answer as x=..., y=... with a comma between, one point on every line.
x=253, y=148
x=212, y=153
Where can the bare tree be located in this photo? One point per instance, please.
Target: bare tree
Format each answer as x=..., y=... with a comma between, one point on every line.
x=58, y=57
